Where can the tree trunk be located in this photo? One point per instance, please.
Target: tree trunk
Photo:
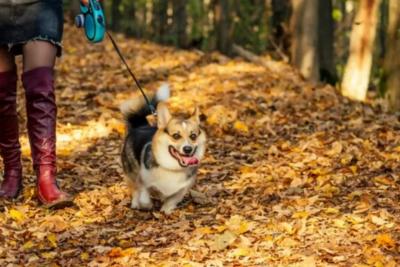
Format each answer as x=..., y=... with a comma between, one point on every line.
x=180, y=22
x=224, y=26
x=304, y=29
x=160, y=20
x=358, y=67
x=383, y=29
x=115, y=15
x=392, y=59
x=325, y=43
x=74, y=9
x=280, y=24
x=131, y=27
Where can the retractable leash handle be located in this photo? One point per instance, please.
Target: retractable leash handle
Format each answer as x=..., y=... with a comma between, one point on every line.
x=92, y=20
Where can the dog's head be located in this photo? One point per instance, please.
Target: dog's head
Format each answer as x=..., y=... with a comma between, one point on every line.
x=178, y=143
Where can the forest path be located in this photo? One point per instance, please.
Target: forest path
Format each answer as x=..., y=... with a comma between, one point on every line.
x=295, y=175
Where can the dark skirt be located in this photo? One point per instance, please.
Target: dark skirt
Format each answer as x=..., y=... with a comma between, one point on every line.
x=41, y=20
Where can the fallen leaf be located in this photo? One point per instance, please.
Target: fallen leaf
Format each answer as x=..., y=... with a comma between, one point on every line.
x=222, y=241
x=53, y=239
x=385, y=240
x=16, y=215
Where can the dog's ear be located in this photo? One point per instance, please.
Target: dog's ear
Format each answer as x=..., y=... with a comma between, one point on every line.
x=163, y=115
x=196, y=115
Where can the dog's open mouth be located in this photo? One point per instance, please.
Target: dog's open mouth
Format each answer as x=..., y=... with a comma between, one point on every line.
x=183, y=160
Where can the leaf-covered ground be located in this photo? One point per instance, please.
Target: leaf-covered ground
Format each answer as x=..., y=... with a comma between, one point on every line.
x=295, y=175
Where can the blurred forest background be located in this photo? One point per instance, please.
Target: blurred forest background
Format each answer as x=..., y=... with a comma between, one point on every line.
x=353, y=44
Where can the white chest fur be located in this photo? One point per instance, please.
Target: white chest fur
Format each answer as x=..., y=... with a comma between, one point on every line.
x=165, y=181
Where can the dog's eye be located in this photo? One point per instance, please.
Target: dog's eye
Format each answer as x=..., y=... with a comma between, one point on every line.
x=193, y=136
x=176, y=136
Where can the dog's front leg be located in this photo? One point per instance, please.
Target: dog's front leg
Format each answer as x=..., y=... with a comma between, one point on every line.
x=141, y=199
x=171, y=202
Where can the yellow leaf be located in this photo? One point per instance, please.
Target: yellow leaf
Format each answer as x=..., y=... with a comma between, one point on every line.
x=339, y=223
x=204, y=230
x=346, y=159
x=129, y=252
x=300, y=214
x=240, y=252
x=354, y=219
x=220, y=228
x=336, y=149
x=241, y=127
x=246, y=169
x=29, y=192
x=288, y=242
x=331, y=211
x=330, y=190
x=84, y=256
x=48, y=255
x=222, y=241
x=385, y=240
x=16, y=215
x=53, y=239
x=377, y=220
x=55, y=223
x=238, y=225
x=353, y=169
x=288, y=228
x=28, y=245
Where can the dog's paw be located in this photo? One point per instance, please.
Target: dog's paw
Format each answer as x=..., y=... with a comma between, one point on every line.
x=146, y=206
x=168, y=209
x=135, y=203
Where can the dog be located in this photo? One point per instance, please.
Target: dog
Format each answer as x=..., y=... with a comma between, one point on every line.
x=160, y=161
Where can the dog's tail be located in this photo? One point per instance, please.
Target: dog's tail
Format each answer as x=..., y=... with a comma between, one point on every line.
x=136, y=110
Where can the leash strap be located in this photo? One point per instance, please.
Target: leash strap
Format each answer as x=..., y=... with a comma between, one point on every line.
x=151, y=107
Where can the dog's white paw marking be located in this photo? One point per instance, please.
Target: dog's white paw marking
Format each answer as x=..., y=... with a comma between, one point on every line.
x=168, y=208
x=145, y=200
x=146, y=205
x=135, y=202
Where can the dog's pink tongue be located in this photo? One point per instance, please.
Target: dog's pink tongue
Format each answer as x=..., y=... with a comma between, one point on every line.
x=190, y=160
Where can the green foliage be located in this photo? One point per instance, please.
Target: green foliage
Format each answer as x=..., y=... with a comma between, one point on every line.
x=250, y=24
x=337, y=14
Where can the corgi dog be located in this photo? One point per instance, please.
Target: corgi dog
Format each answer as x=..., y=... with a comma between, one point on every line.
x=160, y=162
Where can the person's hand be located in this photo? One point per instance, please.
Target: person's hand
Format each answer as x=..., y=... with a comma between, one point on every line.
x=86, y=2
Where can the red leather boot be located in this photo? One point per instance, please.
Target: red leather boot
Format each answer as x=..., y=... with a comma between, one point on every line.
x=10, y=149
x=42, y=112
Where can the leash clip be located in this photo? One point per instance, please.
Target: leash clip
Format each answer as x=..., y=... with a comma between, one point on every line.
x=152, y=110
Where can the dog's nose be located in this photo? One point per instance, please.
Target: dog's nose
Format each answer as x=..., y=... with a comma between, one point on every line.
x=187, y=149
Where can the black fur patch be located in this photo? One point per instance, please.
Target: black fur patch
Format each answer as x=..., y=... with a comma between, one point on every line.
x=139, y=137
x=148, y=158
